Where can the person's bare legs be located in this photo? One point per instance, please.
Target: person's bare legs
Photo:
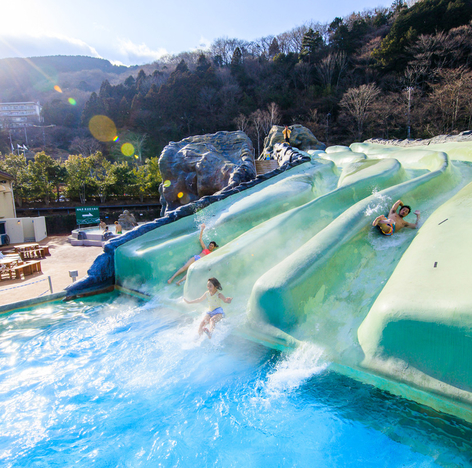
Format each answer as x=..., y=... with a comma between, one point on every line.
x=383, y=223
x=213, y=321
x=181, y=280
x=181, y=270
x=378, y=219
x=204, y=322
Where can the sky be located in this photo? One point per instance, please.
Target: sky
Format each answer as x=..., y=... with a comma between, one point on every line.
x=135, y=32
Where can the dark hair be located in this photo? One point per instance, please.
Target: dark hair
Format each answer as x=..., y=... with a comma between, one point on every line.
x=214, y=243
x=406, y=206
x=215, y=283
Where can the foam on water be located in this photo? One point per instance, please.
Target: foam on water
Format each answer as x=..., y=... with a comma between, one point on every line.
x=295, y=369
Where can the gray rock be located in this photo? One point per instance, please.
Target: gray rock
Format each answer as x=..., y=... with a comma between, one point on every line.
x=300, y=138
x=284, y=153
x=203, y=165
x=127, y=220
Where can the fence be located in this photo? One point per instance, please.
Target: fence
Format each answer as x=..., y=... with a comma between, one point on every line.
x=48, y=279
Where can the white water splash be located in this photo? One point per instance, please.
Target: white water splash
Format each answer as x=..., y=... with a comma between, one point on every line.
x=296, y=368
x=380, y=205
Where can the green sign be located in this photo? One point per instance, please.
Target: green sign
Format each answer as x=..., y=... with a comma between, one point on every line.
x=87, y=215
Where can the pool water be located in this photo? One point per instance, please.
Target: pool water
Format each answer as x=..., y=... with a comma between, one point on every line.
x=113, y=382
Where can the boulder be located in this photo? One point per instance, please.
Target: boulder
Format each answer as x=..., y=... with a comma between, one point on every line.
x=127, y=220
x=203, y=165
x=300, y=138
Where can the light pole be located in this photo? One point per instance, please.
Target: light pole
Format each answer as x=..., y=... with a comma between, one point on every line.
x=328, y=115
x=409, y=89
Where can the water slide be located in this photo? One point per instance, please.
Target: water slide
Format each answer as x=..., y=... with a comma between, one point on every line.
x=303, y=263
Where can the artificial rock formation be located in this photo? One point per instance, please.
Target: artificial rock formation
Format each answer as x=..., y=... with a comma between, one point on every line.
x=300, y=137
x=127, y=220
x=203, y=165
x=284, y=153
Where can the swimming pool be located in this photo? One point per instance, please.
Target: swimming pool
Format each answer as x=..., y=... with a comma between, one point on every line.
x=117, y=382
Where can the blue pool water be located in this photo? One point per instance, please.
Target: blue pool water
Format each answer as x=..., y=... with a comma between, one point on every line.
x=112, y=382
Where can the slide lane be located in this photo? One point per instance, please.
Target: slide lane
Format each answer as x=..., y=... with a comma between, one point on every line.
x=339, y=272
x=242, y=261
x=423, y=335
x=148, y=261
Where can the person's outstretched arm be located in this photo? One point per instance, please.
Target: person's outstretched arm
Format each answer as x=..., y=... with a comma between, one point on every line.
x=415, y=225
x=200, y=299
x=227, y=300
x=201, y=237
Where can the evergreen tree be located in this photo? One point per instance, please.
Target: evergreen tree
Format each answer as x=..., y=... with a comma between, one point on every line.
x=274, y=48
x=311, y=43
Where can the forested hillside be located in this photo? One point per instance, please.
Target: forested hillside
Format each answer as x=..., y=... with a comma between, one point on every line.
x=391, y=73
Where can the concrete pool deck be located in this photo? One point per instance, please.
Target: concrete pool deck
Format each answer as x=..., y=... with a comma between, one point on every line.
x=64, y=257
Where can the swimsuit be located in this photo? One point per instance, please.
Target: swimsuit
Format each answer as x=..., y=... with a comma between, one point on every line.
x=392, y=229
x=204, y=252
x=217, y=311
x=214, y=305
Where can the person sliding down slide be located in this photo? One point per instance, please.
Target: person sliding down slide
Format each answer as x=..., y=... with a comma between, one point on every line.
x=395, y=221
x=215, y=312
x=206, y=250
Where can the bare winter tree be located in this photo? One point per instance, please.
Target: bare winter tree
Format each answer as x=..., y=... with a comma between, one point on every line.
x=242, y=122
x=274, y=113
x=451, y=97
x=357, y=102
x=84, y=146
x=261, y=125
x=291, y=41
x=388, y=114
x=224, y=47
x=331, y=68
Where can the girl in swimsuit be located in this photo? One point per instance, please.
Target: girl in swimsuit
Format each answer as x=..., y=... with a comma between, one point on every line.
x=206, y=250
x=215, y=311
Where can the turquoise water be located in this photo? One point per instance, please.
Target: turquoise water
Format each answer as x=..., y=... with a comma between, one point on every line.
x=118, y=383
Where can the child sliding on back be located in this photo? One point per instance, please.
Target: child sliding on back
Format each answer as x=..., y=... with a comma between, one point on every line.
x=215, y=312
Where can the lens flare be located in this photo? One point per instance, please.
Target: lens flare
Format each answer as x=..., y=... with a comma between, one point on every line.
x=102, y=128
x=127, y=149
x=180, y=194
x=72, y=101
x=136, y=156
x=167, y=183
x=117, y=138
x=58, y=89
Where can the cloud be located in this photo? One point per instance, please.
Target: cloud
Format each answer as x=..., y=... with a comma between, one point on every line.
x=34, y=45
x=139, y=53
x=203, y=44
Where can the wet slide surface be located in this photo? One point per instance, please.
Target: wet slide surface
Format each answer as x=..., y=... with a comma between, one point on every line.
x=300, y=258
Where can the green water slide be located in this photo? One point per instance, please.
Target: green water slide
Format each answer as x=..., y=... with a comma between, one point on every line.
x=300, y=257
x=148, y=261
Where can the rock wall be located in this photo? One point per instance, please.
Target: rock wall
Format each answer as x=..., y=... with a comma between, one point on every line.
x=203, y=165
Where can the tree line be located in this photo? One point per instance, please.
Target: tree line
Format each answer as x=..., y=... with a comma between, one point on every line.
x=80, y=178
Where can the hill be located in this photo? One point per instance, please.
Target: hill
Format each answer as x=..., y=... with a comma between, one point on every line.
x=26, y=78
